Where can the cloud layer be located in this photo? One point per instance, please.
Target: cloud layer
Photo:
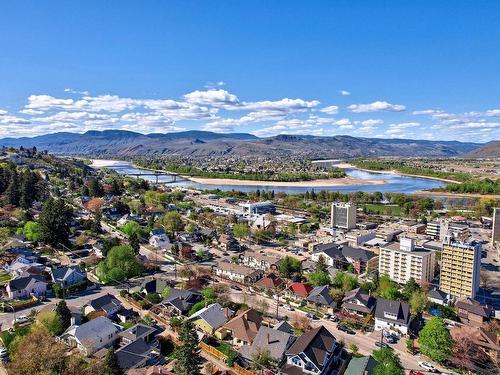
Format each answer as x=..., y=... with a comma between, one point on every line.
x=215, y=108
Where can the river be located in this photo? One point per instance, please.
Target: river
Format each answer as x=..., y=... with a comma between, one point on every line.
x=393, y=183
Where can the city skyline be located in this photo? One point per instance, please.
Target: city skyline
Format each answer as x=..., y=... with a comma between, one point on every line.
x=419, y=71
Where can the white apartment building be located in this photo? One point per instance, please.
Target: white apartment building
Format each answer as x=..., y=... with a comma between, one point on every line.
x=402, y=261
x=343, y=215
x=495, y=229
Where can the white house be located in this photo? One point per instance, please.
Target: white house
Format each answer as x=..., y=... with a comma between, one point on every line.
x=392, y=315
x=92, y=336
x=237, y=272
x=23, y=287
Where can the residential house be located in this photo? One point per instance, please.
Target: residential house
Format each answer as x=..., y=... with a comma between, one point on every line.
x=489, y=342
x=151, y=285
x=237, y=272
x=180, y=301
x=361, y=259
x=270, y=281
x=159, y=239
x=92, y=336
x=227, y=242
x=361, y=366
x=260, y=261
x=210, y=318
x=359, y=302
x=107, y=304
x=137, y=332
x=315, y=352
x=135, y=355
x=438, y=297
x=242, y=328
x=284, y=326
x=22, y=265
x=393, y=315
x=298, y=291
x=320, y=297
x=472, y=313
x=271, y=339
x=68, y=276
x=331, y=254
x=23, y=287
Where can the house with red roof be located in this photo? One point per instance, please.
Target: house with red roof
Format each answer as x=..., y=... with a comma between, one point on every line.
x=270, y=281
x=298, y=291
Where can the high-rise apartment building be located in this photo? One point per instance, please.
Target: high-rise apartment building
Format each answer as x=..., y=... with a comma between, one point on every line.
x=495, y=229
x=460, y=268
x=404, y=260
x=343, y=215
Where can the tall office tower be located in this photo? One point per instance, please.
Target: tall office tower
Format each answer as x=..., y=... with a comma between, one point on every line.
x=460, y=268
x=343, y=215
x=495, y=229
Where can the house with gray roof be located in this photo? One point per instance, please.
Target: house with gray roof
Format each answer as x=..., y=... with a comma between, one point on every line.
x=392, y=315
x=107, y=303
x=136, y=332
x=180, y=301
x=92, y=336
x=276, y=341
x=359, y=302
x=320, y=296
x=211, y=317
x=68, y=276
x=361, y=366
x=23, y=287
x=135, y=355
x=438, y=297
x=284, y=326
x=315, y=352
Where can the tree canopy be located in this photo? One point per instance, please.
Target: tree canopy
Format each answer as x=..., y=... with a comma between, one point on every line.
x=435, y=340
x=289, y=266
x=119, y=265
x=388, y=362
x=187, y=355
x=55, y=220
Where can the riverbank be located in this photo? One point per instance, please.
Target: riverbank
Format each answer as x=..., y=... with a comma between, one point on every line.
x=428, y=193
x=345, y=181
x=395, y=172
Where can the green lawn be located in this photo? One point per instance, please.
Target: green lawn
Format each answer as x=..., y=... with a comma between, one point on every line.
x=4, y=278
x=381, y=209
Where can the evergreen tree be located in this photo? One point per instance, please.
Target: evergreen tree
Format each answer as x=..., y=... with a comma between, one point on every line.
x=134, y=242
x=64, y=315
x=187, y=355
x=12, y=191
x=55, y=222
x=27, y=191
x=111, y=366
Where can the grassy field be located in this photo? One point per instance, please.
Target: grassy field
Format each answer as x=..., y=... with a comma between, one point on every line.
x=381, y=209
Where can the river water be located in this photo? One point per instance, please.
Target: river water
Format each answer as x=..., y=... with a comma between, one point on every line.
x=394, y=183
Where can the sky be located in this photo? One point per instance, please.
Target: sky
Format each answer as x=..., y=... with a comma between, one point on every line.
x=386, y=69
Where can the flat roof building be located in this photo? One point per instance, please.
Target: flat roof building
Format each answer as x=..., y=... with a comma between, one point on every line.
x=343, y=215
x=402, y=261
x=460, y=268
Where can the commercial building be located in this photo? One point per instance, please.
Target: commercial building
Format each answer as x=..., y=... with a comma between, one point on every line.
x=495, y=229
x=258, y=208
x=442, y=228
x=460, y=267
x=402, y=261
x=343, y=215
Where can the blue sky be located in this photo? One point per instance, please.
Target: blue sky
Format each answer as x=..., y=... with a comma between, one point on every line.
x=391, y=69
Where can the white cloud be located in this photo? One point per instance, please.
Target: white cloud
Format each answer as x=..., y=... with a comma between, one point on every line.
x=330, y=110
x=371, y=122
x=284, y=105
x=344, y=93
x=212, y=97
x=376, y=107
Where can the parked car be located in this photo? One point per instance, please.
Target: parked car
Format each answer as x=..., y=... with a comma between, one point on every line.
x=345, y=328
x=312, y=316
x=381, y=344
x=288, y=307
x=327, y=316
x=235, y=287
x=427, y=366
x=3, y=352
x=21, y=319
x=334, y=318
x=391, y=340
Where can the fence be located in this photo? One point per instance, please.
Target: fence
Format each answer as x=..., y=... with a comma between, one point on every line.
x=241, y=371
x=212, y=351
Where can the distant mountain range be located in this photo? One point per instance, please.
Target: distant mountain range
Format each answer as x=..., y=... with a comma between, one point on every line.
x=490, y=150
x=197, y=143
